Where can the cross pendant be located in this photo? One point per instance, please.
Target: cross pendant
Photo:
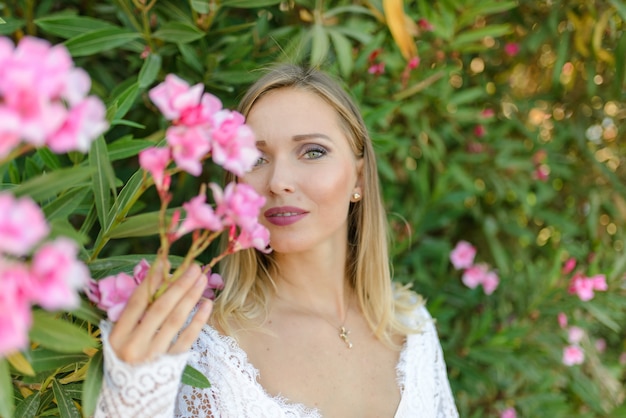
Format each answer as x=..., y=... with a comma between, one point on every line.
x=343, y=334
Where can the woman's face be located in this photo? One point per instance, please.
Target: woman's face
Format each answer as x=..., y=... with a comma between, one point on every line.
x=307, y=171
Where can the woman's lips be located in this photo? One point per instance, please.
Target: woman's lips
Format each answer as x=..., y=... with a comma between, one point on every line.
x=284, y=215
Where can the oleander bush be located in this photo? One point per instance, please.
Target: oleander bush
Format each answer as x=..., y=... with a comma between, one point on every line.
x=500, y=132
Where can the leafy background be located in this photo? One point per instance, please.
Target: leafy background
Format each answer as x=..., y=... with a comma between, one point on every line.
x=553, y=73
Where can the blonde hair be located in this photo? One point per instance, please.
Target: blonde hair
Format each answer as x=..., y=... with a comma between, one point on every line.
x=247, y=274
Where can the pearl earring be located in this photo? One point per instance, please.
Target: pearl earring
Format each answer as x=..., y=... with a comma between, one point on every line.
x=356, y=196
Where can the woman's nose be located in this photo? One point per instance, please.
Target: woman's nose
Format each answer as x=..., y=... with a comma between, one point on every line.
x=282, y=178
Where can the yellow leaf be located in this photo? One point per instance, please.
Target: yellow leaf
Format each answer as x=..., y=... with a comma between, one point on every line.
x=19, y=362
x=399, y=26
x=596, y=40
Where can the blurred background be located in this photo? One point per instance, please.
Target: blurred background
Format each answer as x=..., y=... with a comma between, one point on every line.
x=497, y=123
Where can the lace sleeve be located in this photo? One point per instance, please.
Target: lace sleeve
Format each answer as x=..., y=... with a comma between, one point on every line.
x=422, y=374
x=143, y=390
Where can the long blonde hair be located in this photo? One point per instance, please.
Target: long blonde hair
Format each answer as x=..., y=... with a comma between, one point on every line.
x=247, y=274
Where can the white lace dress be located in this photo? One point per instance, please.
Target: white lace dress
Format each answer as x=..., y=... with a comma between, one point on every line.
x=154, y=389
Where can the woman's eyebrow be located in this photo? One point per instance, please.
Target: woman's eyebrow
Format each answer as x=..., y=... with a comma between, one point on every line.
x=299, y=138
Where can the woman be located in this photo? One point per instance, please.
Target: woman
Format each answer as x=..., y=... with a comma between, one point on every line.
x=314, y=328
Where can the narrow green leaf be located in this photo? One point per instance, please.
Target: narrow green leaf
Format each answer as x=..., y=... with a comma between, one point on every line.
x=126, y=147
x=50, y=159
x=343, y=52
x=145, y=224
x=620, y=6
x=103, y=179
x=65, y=205
x=99, y=40
x=178, y=32
x=11, y=25
x=43, y=359
x=193, y=377
x=49, y=184
x=149, y=70
x=66, y=406
x=125, y=100
x=29, y=406
x=58, y=334
x=87, y=312
x=92, y=384
x=319, y=46
x=6, y=390
x=65, y=25
x=477, y=35
x=249, y=4
x=201, y=6
x=131, y=191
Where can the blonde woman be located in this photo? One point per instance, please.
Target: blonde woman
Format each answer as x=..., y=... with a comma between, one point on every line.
x=315, y=328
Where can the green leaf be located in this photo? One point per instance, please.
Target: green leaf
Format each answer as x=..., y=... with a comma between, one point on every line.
x=477, y=35
x=319, y=46
x=66, y=406
x=145, y=224
x=49, y=158
x=49, y=184
x=6, y=390
x=99, y=40
x=65, y=205
x=103, y=179
x=149, y=70
x=44, y=360
x=92, y=384
x=193, y=377
x=65, y=25
x=29, y=406
x=11, y=25
x=58, y=334
x=178, y=32
x=249, y=4
x=131, y=191
x=86, y=312
x=125, y=100
x=127, y=147
x=343, y=51
x=620, y=7
x=201, y=6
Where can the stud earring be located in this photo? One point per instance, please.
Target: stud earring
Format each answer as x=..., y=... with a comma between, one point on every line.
x=356, y=196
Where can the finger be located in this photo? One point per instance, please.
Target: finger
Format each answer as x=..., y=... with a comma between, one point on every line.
x=164, y=306
x=190, y=334
x=175, y=321
x=138, y=303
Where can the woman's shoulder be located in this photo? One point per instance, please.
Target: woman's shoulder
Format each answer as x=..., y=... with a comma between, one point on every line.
x=410, y=307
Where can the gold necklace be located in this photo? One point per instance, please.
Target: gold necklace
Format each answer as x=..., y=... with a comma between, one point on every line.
x=343, y=331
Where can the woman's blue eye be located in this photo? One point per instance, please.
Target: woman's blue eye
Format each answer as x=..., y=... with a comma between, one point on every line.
x=314, y=153
x=260, y=161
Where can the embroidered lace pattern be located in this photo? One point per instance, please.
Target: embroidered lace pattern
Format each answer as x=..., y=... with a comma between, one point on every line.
x=152, y=390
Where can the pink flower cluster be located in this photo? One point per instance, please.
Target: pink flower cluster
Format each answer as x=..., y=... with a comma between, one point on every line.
x=238, y=205
x=43, y=99
x=47, y=274
x=111, y=293
x=199, y=126
x=581, y=285
x=573, y=353
x=509, y=413
x=462, y=258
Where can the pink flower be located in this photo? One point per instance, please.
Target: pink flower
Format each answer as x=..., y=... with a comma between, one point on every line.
x=490, y=282
x=9, y=131
x=215, y=282
x=238, y=204
x=256, y=237
x=600, y=345
x=234, y=145
x=575, y=334
x=190, y=146
x=112, y=293
x=424, y=24
x=199, y=216
x=140, y=271
x=174, y=95
x=573, y=355
x=15, y=315
x=155, y=161
x=581, y=286
x=480, y=131
x=542, y=173
x=569, y=266
x=562, y=318
x=57, y=275
x=85, y=122
x=22, y=225
x=599, y=282
x=487, y=113
x=511, y=49
x=474, y=275
x=509, y=413
x=413, y=63
x=462, y=256
x=377, y=69
x=622, y=358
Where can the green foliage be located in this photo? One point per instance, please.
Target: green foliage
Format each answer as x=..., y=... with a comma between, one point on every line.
x=540, y=181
